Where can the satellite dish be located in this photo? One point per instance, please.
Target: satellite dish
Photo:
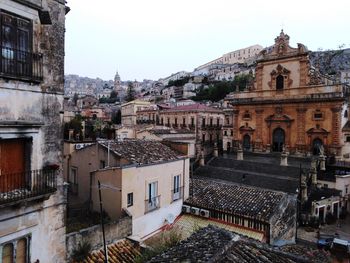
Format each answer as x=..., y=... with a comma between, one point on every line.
x=170, y=218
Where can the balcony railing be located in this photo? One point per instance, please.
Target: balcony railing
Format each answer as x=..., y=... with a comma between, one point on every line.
x=21, y=186
x=152, y=204
x=177, y=193
x=19, y=64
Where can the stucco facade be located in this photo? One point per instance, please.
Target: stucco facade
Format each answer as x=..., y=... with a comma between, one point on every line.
x=129, y=109
x=32, y=199
x=135, y=179
x=289, y=105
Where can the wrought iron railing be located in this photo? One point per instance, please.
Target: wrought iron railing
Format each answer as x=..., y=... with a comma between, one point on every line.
x=20, y=186
x=19, y=64
x=177, y=193
x=152, y=204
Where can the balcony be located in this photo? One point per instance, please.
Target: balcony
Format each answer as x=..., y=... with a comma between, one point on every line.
x=177, y=194
x=18, y=64
x=30, y=185
x=152, y=204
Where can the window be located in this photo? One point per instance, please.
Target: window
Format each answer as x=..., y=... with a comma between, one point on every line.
x=16, y=47
x=175, y=121
x=231, y=132
x=73, y=175
x=217, y=121
x=246, y=115
x=176, y=185
x=211, y=121
x=184, y=121
x=203, y=137
x=227, y=121
x=345, y=113
x=225, y=133
x=161, y=121
x=153, y=200
x=318, y=115
x=168, y=121
x=102, y=164
x=279, y=82
x=16, y=251
x=203, y=122
x=347, y=138
x=130, y=199
x=192, y=121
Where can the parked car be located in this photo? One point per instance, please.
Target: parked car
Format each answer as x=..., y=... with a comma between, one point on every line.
x=325, y=241
x=340, y=246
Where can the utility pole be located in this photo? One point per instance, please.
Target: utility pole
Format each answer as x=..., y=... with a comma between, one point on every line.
x=102, y=224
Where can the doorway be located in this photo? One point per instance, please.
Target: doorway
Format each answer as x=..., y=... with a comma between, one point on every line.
x=246, y=142
x=316, y=145
x=278, y=139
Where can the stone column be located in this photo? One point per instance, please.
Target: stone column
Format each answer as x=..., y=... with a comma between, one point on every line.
x=240, y=153
x=201, y=160
x=303, y=192
x=235, y=124
x=216, y=151
x=322, y=159
x=300, y=129
x=284, y=159
x=313, y=174
x=336, y=122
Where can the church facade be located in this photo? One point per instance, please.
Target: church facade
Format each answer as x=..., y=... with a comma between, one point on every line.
x=290, y=105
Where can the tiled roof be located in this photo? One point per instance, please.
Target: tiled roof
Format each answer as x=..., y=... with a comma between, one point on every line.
x=141, y=151
x=189, y=223
x=202, y=246
x=169, y=131
x=234, y=199
x=212, y=244
x=122, y=251
x=194, y=107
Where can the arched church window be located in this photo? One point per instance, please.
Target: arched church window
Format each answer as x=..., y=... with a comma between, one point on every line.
x=279, y=82
x=346, y=114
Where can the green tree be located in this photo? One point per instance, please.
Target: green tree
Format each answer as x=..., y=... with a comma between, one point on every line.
x=74, y=124
x=130, y=93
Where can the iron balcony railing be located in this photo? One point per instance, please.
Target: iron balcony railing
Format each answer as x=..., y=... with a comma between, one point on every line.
x=177, y=193
x=21, y=186
x=19, y=64
x=152, y=204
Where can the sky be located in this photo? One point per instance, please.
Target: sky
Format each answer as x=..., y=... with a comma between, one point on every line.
x=152, y=39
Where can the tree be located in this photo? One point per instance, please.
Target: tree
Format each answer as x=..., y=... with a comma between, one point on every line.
x=76, y=125
x=130, y=93
x=113, y=94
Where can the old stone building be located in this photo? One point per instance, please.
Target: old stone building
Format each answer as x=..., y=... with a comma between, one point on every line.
x=32, y=195
x=289, y=105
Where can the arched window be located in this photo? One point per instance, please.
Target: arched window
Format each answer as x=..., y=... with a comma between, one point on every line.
x=279, y=82
x=7, y=253
x=345, y=113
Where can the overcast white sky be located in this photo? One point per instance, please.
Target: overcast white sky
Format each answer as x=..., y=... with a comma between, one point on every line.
x=150, y=39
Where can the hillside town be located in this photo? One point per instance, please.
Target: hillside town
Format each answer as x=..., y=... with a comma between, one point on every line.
x=244, y=159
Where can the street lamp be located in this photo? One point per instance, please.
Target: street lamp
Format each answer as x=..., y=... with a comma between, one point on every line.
x=105, y=249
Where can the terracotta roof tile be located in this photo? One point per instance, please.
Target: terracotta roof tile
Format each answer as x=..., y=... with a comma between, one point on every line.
x=122, y=251
x=141, y=151
x=233, y=198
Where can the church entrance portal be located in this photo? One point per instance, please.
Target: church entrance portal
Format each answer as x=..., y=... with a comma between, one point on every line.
x=246, y=142
x=278, y=138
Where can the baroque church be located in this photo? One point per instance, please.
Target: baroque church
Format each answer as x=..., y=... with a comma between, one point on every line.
x=290, y=106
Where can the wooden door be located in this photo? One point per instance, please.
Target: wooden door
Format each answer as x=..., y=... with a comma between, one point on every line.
x=12, y=164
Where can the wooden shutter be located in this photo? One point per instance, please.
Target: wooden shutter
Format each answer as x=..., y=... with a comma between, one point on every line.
x=12, y=164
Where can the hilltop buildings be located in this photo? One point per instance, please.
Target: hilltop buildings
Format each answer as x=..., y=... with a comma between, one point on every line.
x=32, y=193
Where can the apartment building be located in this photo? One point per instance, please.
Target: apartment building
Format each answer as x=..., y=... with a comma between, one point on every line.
x=129, y=110
x=150, y=181
x=32, y=195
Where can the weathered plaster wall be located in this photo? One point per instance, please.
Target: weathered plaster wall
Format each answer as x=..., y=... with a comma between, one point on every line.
x=37, y=107
x=93, y=235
